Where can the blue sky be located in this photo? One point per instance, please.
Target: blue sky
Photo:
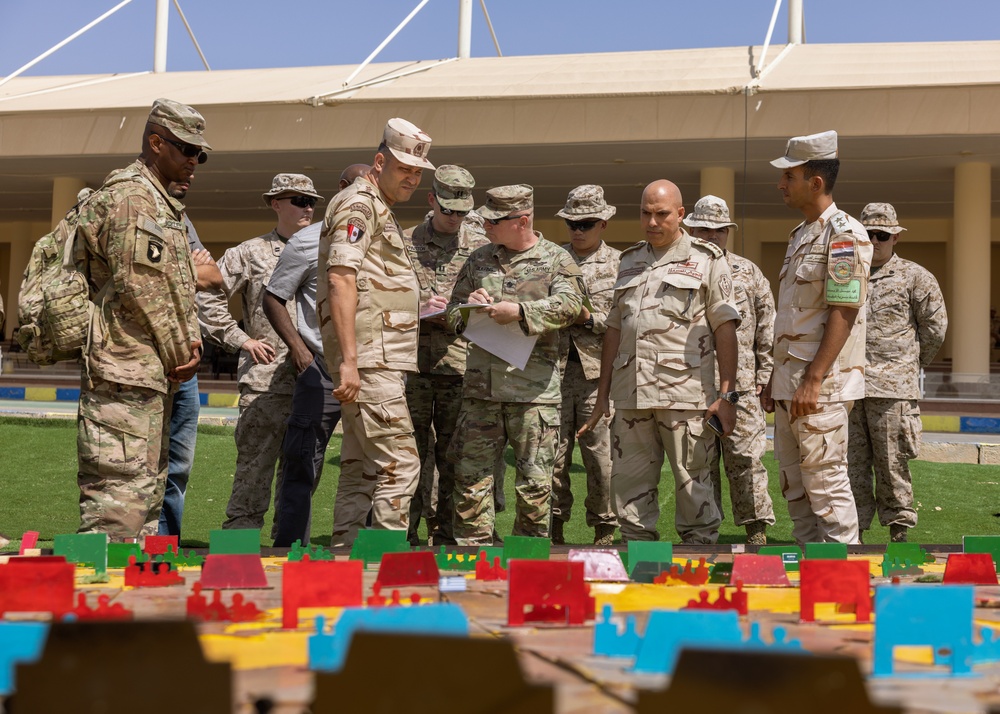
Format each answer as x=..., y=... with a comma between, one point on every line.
x=252, y=33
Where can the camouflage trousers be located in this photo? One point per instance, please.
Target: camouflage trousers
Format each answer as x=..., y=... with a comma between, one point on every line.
x=579, y=402
x=884, y=434
x=741, y=453
x=480, y=435
x=379, y=462
x=812, y=454
x=260, y=431
x=639, y=439
x=123, y=448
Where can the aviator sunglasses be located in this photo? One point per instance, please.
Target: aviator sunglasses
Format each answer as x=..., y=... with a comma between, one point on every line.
x=879, y=235
x=498, y=221
x=189, y=151
x=582, y=226
x=302, y=201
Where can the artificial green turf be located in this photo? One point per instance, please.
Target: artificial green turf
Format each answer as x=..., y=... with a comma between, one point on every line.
x=38, y=492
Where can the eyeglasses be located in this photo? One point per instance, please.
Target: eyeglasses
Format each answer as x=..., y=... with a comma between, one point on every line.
x=879, y=235
x=302, y=201
x=582, y=226
x=189, y=151
x=498, y=221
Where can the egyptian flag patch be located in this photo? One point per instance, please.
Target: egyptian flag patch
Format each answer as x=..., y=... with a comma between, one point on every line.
x=355, y=230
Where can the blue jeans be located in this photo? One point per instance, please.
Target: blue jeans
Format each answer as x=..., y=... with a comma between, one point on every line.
x=183, y=433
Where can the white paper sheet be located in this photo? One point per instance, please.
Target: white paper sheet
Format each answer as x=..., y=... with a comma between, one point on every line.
x=507, y=342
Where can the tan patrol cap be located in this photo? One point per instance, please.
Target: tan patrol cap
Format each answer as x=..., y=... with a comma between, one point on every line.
x=453, y=188
x=182, y=121
x=284, y=185
x=408, y=143
x=814, y=147
x=880, y=217
x=709, y=212
x=586, y=202
x=505, y=200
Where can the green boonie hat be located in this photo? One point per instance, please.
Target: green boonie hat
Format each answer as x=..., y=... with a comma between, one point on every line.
x=585, y=202
x=284, y=185
x=505, y=200
x=802, y=149
x=709, y=212
x=182, y=121
x=453, y=188
x=880, y=217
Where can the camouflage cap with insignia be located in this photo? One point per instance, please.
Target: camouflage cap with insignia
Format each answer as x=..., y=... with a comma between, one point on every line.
x=709, y=212
x=505, y=200
x=453, y=188
x=284, y=185
x=880, y=217
x=801, y=149
x=408, y=143
x=182, y=121
x=586, y=202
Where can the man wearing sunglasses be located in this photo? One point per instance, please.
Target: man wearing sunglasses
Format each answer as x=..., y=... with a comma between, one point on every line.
x=438, y=248
x=525, y=280
x=145, y=338
x=586, y=214
x=907, y=322
x=819, y=344
x=266, y=375
x=369, y=310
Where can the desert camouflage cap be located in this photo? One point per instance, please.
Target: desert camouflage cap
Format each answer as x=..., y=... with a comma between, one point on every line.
x=284, y=185
x=182, y=121
x=709, y=212
x=408, y=143
x=880, y=217
x=505, y=200
x=814, y=147
x=453, y=187
x=585, y=202
x=475, y=223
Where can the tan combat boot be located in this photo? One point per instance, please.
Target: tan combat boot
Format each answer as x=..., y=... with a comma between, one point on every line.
x=757, y=533
x=604, y=534
x=557, y=532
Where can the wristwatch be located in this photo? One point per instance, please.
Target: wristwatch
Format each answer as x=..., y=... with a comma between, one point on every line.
x=589, y=323
x=731, y=397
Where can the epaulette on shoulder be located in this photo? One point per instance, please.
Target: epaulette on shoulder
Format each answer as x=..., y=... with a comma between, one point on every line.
x=635, y=246
x=710, y=247
x=841, y=223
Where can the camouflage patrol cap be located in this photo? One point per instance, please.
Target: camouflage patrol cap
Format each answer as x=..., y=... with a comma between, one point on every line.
x=182, y=121
x=586, y=202
x=505, y=200
x=709, y=212
x=285, y=185
x=880, y=217
x=453, y=188
x=475, y=223
x=408, y=143
x=802, y=149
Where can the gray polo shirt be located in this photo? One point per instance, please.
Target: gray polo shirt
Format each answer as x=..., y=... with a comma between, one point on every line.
x=295, y=276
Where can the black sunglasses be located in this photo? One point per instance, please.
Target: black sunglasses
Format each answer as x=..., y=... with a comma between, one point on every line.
x=879, y=235
x=302, y=201
x=189, y=151
x=582, y=226
x=498, y=221
x=449, y=211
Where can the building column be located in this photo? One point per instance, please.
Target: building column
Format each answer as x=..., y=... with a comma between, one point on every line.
x=64, y=190
x=21, y=243
x=969, y=313
x=721, y=181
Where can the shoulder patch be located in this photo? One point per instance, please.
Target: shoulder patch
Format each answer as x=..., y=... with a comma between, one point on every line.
x=361, y=208
x=355, y=229
x=640, y=244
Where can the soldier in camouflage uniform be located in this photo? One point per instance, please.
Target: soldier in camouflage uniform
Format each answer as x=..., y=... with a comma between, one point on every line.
x=907, y=322
x=672, y=317
x=743, y=449
x=438, y=249
x=145, y=337
x=586, y=214
x=368, y=305
x=819, y=344
x=266, y=375
x=524, y=279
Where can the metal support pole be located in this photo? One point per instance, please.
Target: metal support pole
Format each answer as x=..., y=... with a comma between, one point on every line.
x=191, y=35
x=767, y=40
x=796, y=23
x=464, y=29
x=386, y=41
x=160, y=38
x=489, y=24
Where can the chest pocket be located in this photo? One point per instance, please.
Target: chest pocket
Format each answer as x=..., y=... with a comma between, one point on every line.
x=395, y=258
x=678, y=296
x=810, y=284
x=626, y=295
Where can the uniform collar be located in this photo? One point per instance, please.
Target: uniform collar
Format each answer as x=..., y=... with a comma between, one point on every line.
x=887, y=269
x=500, y=252
x=171, y=201
x=601, y=255
x=679, y=250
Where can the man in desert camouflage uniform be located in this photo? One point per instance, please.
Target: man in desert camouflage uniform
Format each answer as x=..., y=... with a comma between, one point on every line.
x=819, y=344
x=266, y=375
x=369, y=309
x=586, y=214
x=529, y=283
x=743, y=449
x=438, y=249
x=907, y=322
x=672, y=317
x=145, y=336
